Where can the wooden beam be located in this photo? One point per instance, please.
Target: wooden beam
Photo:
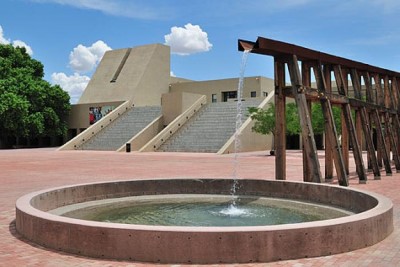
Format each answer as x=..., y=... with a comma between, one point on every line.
x=331, y=128
x=346, y=111
x=328, y=144
x=306, y=79
x=391, y=123
x=305, y=121
x=378, y=126
x=314, y=95
x=280, y=121
x=275, y=48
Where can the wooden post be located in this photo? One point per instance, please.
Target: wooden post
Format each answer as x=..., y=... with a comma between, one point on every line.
x=396, y=108
x=391, y=124
x=329, y=120
x=346, y=111
x=380, y=134
x=305, y=121
x=306, y=77
x=345, y=131
x=328, y=144
x=280, y=120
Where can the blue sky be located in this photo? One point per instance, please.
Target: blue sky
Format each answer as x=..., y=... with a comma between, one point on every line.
x=70, y=36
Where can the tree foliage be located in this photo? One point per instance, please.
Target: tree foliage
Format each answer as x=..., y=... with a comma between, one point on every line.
x=265, y=119
x=29, y=106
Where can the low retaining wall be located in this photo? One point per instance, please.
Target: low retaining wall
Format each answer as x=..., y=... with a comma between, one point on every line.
x=169, y=244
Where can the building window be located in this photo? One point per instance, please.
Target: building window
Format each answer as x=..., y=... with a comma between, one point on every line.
x=253, y=93
x=265, y=94
x=228, y=95
x=214, y=98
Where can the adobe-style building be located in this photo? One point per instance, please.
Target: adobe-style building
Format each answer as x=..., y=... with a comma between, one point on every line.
x=133, y=104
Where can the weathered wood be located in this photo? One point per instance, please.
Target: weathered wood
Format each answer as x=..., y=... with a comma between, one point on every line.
x=380, y=108
x=388, y=94
x=396, y=90
x=280, y=121
x=366, y=128
x=378, y=126
x=393, y=143
x=331, y=128
x=357, y=103
x=328, y=145
x=314, y=95
x=391, y=121
x=345, y=132
x=306, y=80
x=304, y=116
x=346, y=111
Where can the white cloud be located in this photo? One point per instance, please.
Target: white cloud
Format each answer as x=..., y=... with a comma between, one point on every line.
x=15, y=43
x=3, y=40
x=188, y=40
x=19, y=43
x=74, y=84
x=84, y=59
x=172, y=74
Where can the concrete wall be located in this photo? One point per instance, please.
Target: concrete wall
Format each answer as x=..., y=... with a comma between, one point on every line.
x=79, y=115
x=174, y=104
x=249, y=140
x=144, y=74
x=258, y=84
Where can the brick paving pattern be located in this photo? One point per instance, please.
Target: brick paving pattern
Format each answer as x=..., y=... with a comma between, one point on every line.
x=28, y=170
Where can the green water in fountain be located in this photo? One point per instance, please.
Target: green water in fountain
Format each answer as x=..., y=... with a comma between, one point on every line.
x=201, y=210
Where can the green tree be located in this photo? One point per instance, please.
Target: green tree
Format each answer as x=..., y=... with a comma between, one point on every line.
x=30, y=107
x=265, y=119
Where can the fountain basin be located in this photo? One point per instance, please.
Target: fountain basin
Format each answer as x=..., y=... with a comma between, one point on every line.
x=371, y=223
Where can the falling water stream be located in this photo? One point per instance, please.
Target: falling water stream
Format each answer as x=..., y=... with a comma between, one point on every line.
x=233, y=209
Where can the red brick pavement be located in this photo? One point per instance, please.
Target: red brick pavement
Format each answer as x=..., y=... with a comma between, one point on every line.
x=24, y=171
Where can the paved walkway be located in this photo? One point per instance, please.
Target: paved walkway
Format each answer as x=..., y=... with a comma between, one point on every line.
x=24, y=171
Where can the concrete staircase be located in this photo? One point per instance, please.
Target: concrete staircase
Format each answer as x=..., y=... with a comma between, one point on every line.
x=210, y=129
x=123, y=129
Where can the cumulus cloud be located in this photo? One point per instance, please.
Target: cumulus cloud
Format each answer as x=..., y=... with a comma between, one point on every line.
x=15, y=43
x=81, y=59
x=19, y=43
x=3, y=40
x=188, y=40
x=74, y=84
x=84, y=59
x=172, y=74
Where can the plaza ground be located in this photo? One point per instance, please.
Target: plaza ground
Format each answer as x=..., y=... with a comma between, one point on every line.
x=27, y=170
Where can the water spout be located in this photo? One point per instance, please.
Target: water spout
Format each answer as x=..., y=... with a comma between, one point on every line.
x=245, y=45
x=239, y=116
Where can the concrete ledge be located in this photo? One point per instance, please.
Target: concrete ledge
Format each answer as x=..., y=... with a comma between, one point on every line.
x=372, y=223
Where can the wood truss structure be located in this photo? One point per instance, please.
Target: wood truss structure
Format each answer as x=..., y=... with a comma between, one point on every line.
x=369, y=98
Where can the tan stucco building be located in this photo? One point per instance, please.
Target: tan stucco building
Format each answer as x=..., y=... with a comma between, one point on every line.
x=140, y=77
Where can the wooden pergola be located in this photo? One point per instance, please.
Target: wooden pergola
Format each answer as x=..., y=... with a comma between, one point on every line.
x=371, y=92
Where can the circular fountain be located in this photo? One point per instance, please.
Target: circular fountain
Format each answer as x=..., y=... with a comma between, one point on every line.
x=366, y=219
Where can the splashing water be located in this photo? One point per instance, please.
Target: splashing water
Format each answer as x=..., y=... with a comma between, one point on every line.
x=239, y=115
x=234, y=211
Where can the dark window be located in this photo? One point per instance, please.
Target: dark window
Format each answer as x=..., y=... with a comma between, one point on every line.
x=253, y=93
x=214, y=98
x=228, y=95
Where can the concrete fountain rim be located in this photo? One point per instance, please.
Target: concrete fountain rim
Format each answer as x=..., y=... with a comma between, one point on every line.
x=204, y=245
x=24, y=203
